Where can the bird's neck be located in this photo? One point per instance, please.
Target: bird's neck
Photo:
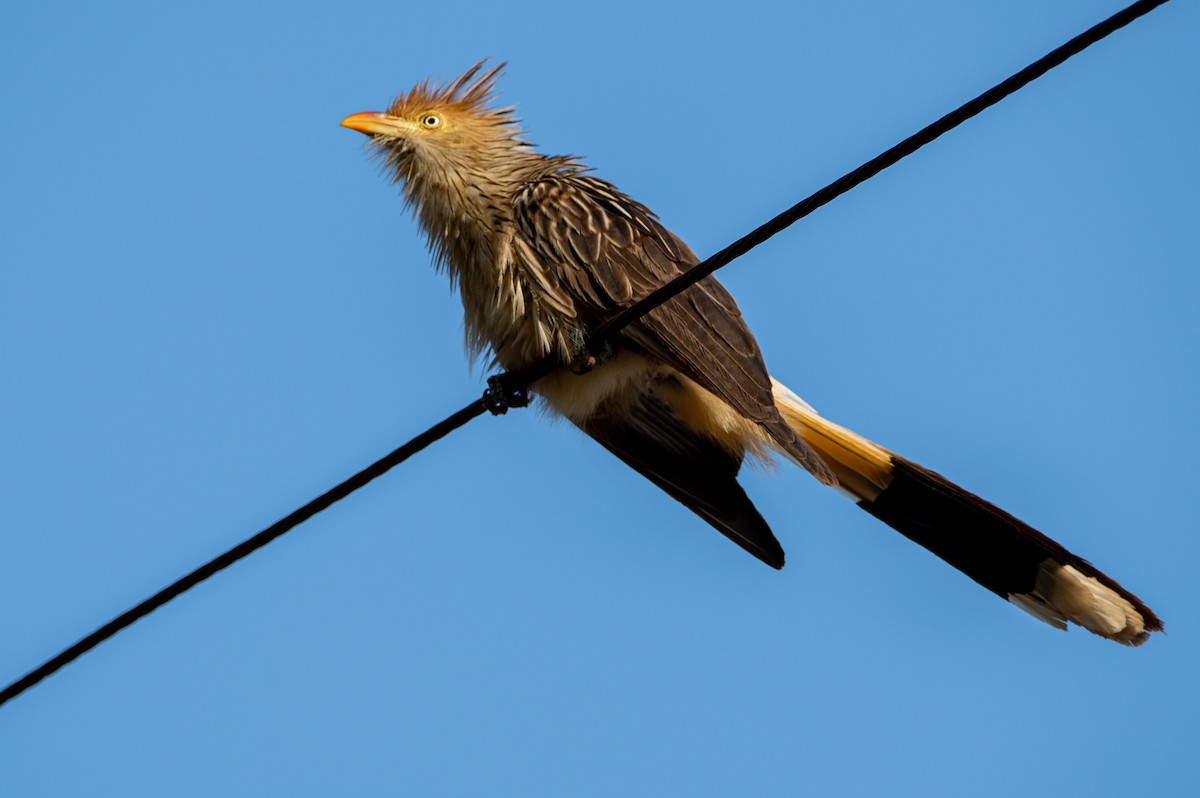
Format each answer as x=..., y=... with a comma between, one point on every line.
x=462, y=201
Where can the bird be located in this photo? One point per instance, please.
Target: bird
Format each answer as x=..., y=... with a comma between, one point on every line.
x=542, y=252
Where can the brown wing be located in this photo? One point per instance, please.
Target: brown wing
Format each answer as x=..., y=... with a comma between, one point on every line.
x=590, y=247
x=692, y=469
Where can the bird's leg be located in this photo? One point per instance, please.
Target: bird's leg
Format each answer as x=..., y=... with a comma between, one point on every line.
x=501, y=394
x=597, y=354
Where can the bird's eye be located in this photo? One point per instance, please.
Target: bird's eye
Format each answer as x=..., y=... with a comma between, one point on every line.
x=431, y=120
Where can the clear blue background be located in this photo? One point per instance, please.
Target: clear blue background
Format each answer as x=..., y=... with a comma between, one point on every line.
x=213, y=307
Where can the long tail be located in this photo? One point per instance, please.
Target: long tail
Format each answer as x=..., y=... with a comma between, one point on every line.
x=1000, y=552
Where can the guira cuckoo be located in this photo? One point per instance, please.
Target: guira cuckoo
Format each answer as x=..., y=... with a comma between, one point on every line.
x=541, y=252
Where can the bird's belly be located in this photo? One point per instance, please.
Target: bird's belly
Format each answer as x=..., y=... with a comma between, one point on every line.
x=617, y=387
x=616, y=383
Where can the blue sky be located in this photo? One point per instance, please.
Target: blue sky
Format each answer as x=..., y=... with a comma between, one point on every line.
x=213, y=307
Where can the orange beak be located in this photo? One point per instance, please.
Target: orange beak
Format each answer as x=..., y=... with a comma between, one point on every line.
x=374, y=123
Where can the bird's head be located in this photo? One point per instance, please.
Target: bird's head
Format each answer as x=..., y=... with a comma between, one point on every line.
x=440, y=129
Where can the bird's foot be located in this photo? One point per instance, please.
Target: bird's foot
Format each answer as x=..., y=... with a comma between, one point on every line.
x=501, y=394
x=595, y=355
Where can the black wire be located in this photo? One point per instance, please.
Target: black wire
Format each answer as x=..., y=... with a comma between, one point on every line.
x=874, y=167
x=512, y=384
x=245, y=548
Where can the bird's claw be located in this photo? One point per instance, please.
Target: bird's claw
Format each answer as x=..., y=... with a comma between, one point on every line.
x=595, y=355
x=501, y=395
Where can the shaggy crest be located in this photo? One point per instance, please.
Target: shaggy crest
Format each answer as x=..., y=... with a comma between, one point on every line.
x=469, y=94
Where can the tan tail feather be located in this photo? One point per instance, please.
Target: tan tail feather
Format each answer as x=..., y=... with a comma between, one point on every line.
x=863, y=469
x=976, y=537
